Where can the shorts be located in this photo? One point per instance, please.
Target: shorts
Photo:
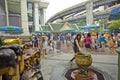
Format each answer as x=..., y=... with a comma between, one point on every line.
x=87, y=46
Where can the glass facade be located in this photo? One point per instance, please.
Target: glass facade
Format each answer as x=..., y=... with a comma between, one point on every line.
x=30, y=17
x=14, y=20
x=31, y=28
x=30, y=7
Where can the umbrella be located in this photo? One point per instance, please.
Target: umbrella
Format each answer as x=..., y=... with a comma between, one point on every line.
x=47, y=32
x=114, y=13
x=10, y=28
x=77, y=31
x=69, y=30
x=83, y=31
x=105, y=30
x=91, y=26
x=38, y=32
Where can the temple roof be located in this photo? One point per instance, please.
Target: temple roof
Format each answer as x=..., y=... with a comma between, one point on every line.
x=56, y=26
x=46, y=28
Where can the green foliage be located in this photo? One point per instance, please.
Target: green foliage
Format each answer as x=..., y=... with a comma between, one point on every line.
x=117, y=17
x=102, y=23
x=81, y=23
x=114, y=25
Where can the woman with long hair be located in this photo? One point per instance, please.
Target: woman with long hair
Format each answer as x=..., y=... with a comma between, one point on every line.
x=76, y=45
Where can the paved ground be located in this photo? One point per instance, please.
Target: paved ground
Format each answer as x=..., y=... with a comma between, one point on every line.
x=69, y=49
x=103, y=61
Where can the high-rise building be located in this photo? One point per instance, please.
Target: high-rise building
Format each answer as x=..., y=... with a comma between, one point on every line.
x=28, y=14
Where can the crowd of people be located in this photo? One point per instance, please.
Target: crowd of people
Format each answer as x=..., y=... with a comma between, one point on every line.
x=99, y=41
x=90, y=41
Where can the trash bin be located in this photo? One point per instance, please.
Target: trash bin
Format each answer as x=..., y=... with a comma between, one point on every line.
x=58, y=45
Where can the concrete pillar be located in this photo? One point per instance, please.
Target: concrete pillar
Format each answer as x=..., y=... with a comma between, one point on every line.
x=43, y=16
x=42, y=11
x=24, y=17
x=36, y=16
x=7, y=13
x=89, y=11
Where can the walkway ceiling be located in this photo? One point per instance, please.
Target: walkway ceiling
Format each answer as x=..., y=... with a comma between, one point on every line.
x=14, y=6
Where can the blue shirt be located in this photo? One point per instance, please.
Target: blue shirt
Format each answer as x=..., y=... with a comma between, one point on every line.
x=102, y=38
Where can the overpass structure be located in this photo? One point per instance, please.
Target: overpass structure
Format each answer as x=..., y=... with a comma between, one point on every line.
x=78, y=12
x=104, y=14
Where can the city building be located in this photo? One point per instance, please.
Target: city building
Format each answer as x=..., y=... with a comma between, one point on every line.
x=28, y=14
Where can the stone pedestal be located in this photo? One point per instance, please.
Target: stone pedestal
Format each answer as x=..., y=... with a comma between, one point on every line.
x=91, y=76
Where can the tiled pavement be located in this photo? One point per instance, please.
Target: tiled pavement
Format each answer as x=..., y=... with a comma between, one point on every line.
x=69, y=49
x=103, y=61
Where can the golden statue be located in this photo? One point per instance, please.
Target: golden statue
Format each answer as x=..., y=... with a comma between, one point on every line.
x=83, y=61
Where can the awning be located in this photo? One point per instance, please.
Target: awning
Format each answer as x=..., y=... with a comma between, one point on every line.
x=91, y=26
x=69, y=30
x=105, y=30
x=115, y=11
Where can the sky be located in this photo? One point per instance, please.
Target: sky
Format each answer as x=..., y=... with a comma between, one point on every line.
x=59, y=5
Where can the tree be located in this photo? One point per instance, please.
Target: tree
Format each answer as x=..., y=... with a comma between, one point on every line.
x=82, y=23
x=114, y=25
x=117, y=17
x=103, y=23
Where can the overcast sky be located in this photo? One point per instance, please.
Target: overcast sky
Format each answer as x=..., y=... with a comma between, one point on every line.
x=58, y=5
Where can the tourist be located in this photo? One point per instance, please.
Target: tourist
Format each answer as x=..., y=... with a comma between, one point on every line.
x=88, y=42
x=36, y=41
x=97, y=43
x=62, y=38
x=76, y=45
x=102, y=41
x=111, y=45
x=33, y=40
x=118, y=39
x=45, y=45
